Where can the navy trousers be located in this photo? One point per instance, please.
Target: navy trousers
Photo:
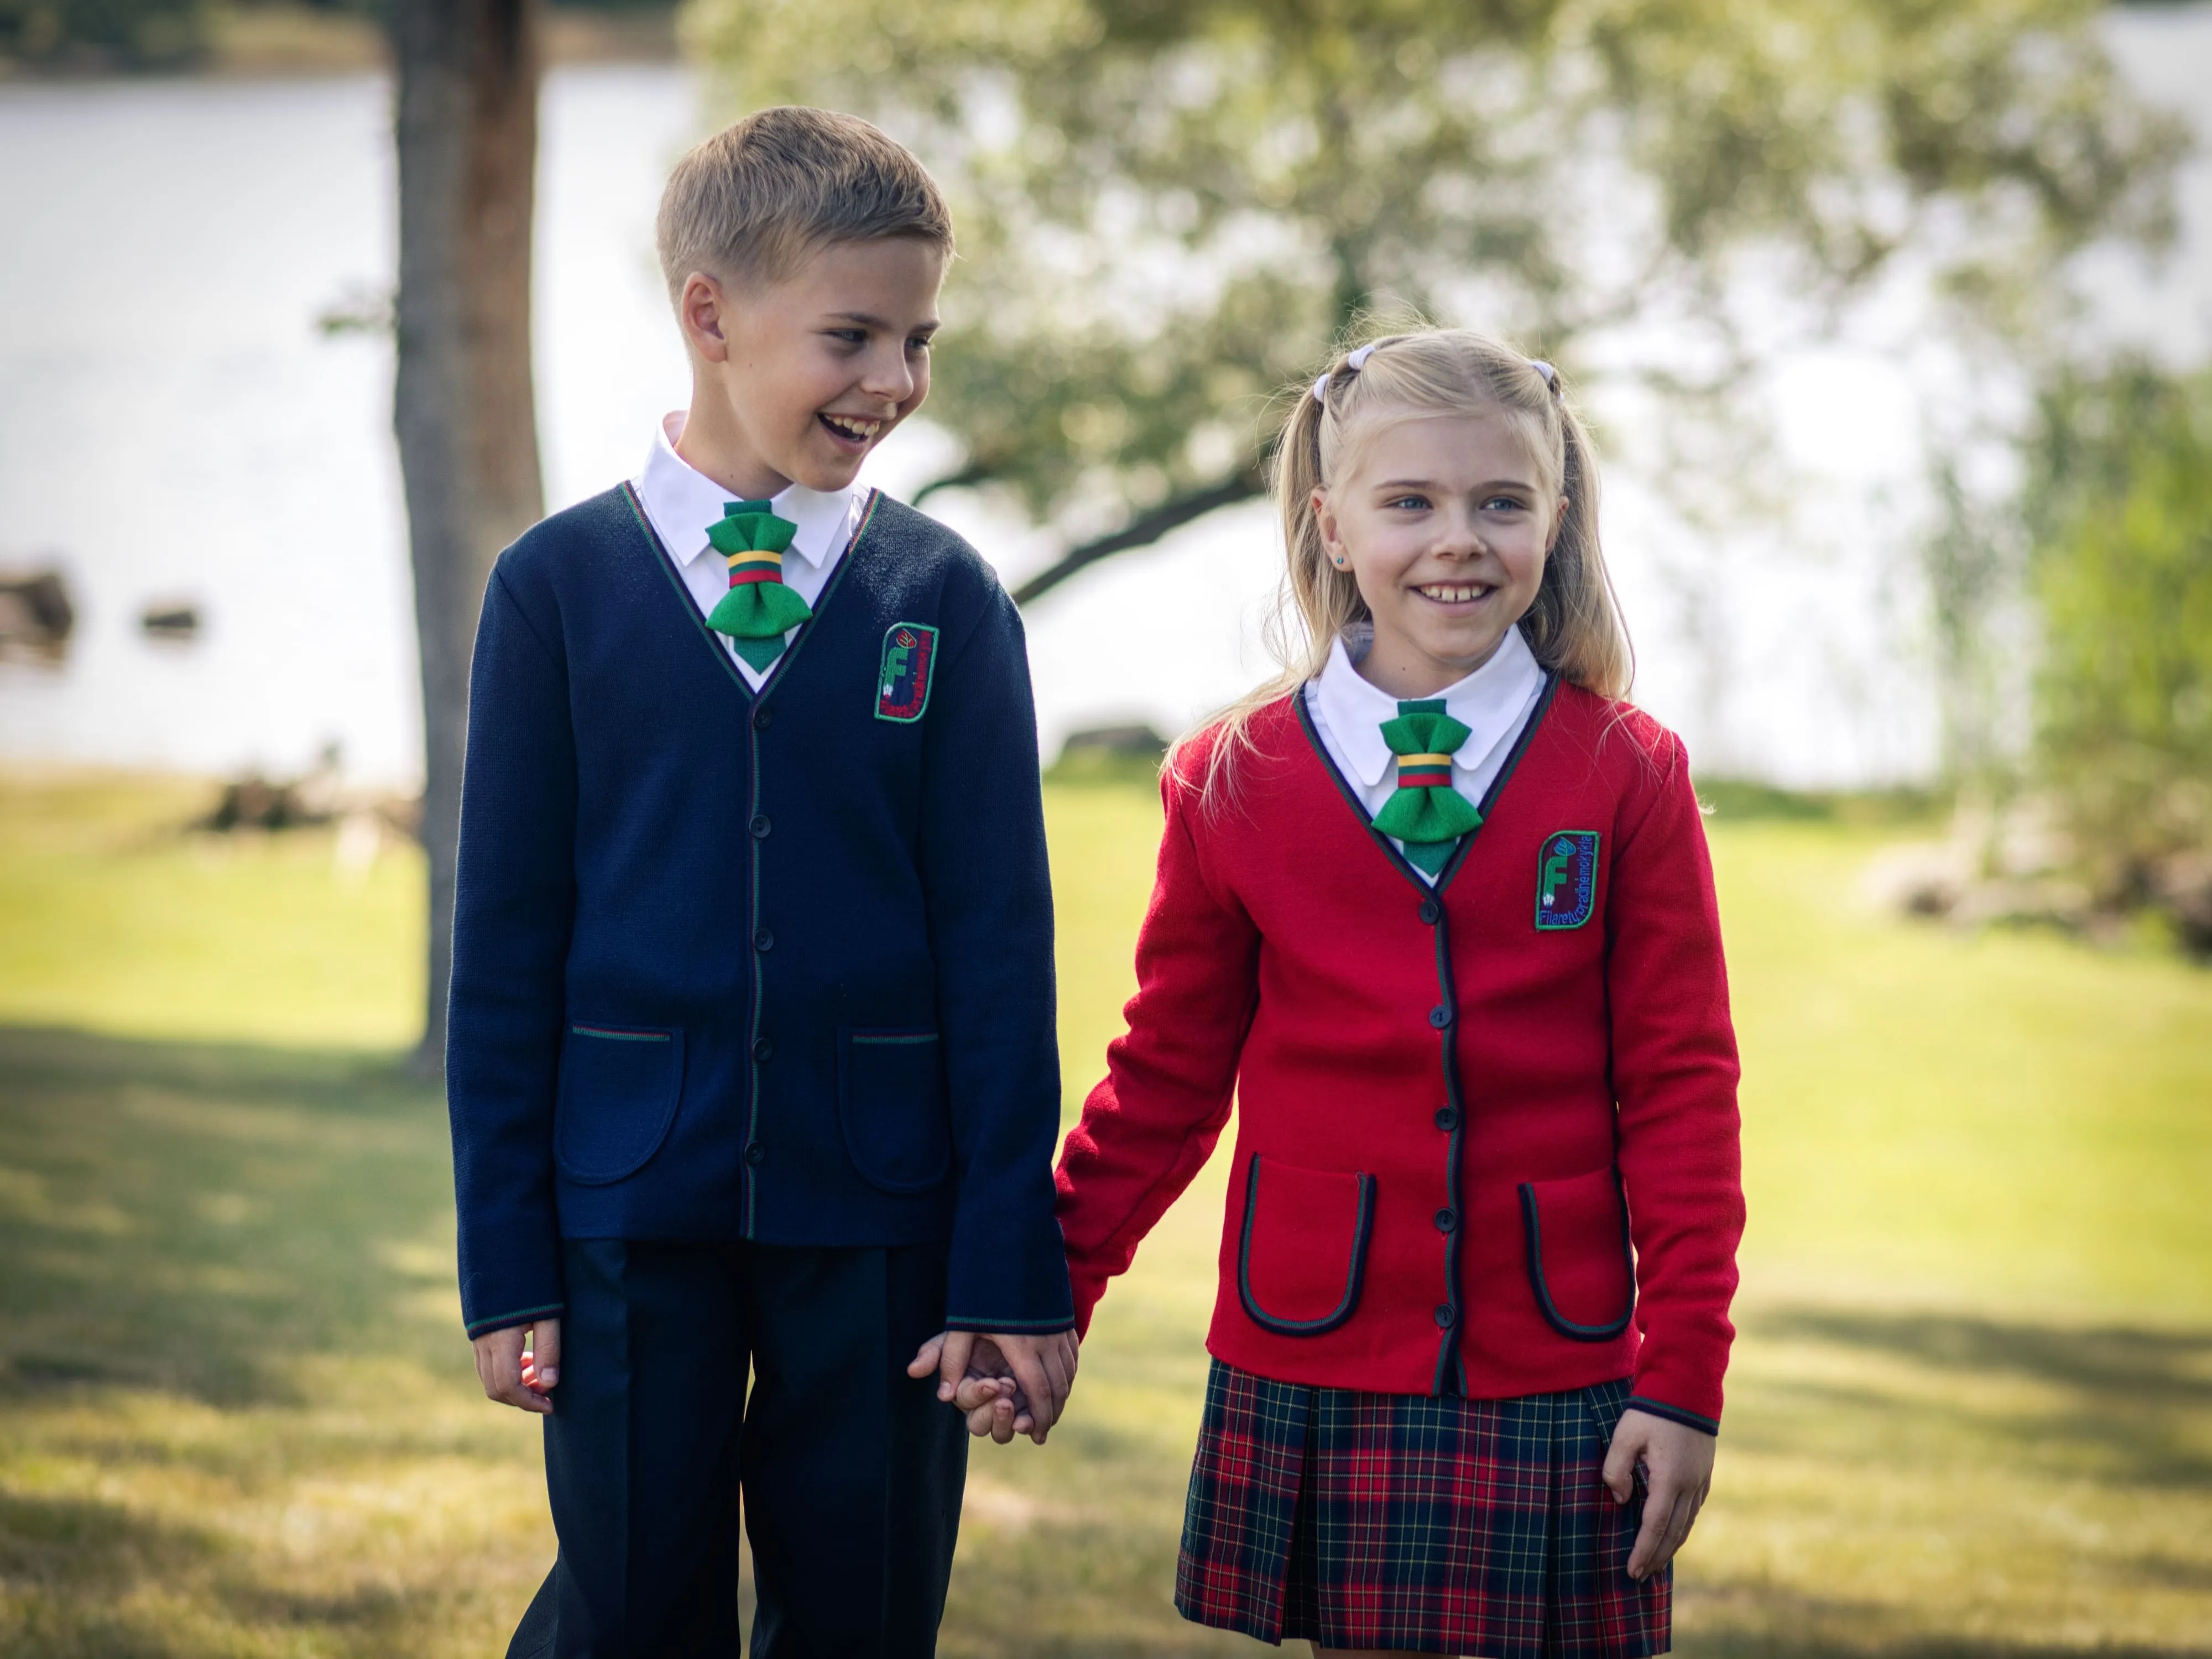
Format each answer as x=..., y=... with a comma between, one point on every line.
x=850, y=1470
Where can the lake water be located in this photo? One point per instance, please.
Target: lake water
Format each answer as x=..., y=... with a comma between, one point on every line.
x=173, y=425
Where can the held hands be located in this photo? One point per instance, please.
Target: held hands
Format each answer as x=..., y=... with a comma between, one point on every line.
x=1005, y=1384
x=519, y=1379
x=1677, y=1462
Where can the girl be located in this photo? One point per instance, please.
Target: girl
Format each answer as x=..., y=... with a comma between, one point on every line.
x=1434, y=906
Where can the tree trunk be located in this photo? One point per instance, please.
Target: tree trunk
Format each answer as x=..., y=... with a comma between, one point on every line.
x=467, y=124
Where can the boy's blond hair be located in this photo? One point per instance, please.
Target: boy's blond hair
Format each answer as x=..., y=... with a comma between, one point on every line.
x=749, y=203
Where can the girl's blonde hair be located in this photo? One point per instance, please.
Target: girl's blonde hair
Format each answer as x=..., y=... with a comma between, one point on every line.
x=1574, y=627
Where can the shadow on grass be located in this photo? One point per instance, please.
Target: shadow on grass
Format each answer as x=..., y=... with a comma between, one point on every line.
x=80, y=1558
x=2121, y=1394
x=188, y=1217
x=93, y=1544
x=2126, y=1364
x=1802, y=1646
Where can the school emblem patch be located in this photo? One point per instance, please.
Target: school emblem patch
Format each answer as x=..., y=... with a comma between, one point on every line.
x=903, y=678
x=1566, y=879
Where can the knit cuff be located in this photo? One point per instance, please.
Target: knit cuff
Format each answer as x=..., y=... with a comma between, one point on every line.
x=1688, y=1420
x=502, y=1322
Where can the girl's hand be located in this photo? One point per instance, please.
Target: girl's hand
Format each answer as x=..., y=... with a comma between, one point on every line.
x=1004, y=1384
x=1677, y=1461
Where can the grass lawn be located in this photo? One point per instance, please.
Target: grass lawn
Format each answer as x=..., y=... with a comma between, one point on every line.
x=1971, y=1413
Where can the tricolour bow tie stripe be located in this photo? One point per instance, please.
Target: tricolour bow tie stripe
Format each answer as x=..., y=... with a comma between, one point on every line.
x=1427, y=813
x=758, y=610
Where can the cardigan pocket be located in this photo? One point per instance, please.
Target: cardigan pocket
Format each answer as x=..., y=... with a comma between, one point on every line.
x=1579, y=1263
x=890, y=1106
x=618, y=1090
x=1304, y=1246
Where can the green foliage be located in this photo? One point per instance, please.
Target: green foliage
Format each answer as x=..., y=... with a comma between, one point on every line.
x=1170, y=207
x=2122, y=517
x=97, y=33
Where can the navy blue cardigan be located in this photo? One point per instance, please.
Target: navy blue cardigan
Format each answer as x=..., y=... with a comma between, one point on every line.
x=734, y=965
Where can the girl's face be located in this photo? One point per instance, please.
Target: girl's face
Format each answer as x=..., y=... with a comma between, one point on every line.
x=1442, y=521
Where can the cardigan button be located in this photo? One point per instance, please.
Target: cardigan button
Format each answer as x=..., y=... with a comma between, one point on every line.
x=1446, y=1221
x=1447, y=1119
x=1431, y=912
x=1440, y=1017
x=759, y=826
x=763, y=1048
x=763, y=717
x=764, y=940
x=756, y=1154
x=1446, y=1314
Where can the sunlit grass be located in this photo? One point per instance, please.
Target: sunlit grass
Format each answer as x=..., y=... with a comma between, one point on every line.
x=111, y=920
x=1971, y=1414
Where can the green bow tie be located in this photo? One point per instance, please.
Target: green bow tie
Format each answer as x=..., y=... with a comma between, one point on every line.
x=758, y=610
x=1427, y=813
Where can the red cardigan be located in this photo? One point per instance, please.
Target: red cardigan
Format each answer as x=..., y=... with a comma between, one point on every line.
x=1459, y=1105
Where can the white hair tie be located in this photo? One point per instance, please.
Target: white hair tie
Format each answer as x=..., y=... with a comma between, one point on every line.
x=1352, y=365
x=1551, y=375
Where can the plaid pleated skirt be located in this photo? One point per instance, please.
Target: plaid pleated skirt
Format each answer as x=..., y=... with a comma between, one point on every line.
x=1438, y=1525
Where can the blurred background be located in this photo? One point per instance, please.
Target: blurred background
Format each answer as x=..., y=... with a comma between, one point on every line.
x=1894, y=322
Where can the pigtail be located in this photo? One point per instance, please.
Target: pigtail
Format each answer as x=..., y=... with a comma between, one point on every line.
x=1314, y=602
x=1575, y=627
x=1296, y=475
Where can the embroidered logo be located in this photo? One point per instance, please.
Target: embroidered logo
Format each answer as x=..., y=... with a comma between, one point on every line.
x=903, y=680
x=1566, y=879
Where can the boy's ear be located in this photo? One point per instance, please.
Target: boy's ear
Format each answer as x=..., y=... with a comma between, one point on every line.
x=698, y=310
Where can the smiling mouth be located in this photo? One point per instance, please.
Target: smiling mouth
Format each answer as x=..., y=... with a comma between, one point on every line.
x=858, y=431
x=1455, y=592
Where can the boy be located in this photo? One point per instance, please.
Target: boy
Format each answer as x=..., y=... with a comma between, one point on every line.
x=751, y=1061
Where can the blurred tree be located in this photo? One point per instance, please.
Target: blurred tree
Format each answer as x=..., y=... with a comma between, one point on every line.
x=466, y=125
x=1171, y=207
x=2120, y=516
x=1971, y=561
x=74, y=34
x=98, y=33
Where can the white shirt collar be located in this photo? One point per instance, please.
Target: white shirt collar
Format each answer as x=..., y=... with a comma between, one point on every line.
x=682, y=502
x=1489, y=702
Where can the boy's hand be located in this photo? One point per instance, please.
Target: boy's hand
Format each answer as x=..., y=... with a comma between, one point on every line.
x=1005, y=1384
x=517, y=1379
x=1677, y=1461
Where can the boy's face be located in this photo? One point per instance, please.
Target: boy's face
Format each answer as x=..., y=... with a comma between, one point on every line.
x=795, y=381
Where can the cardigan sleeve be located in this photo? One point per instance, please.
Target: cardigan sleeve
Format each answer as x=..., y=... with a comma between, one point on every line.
x=1674, y=1079
x=1151, y=1124
x=514, y=904
x=989, y=890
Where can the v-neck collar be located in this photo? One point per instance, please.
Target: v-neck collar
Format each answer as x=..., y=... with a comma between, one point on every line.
x=1492, y=702
x=680, y=502
x=1398, y=860
x=666, y=563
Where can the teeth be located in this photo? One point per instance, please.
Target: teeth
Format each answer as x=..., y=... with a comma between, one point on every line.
x=854, y=427
x=1454, y=594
